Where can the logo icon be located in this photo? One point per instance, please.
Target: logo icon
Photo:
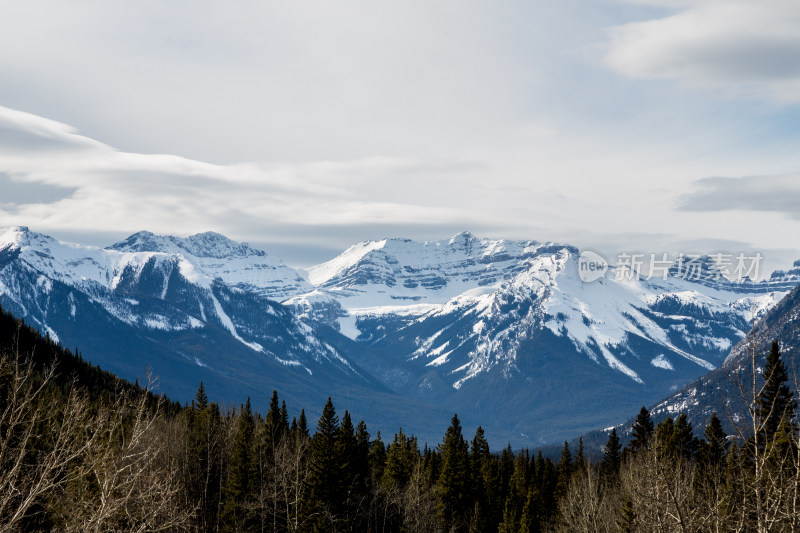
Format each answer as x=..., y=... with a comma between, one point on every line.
x=591, y=266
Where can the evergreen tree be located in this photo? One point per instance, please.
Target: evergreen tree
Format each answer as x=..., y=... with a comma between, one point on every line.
x=377, y=457
x=776, y=402
x=200, y=401
x=641, y=431
x=580, y=458
x=347, y=452
x=302, y=423
x=683, y=439
x=480, y=468
x=453, y=486
x=612, y=457
x=565, y=468
x=240, y=483
x=362, y=478
x=517, y=498
x=274, y=427
x=324, y=480
x=401, y=456
x=203, y=449
x=716, y=442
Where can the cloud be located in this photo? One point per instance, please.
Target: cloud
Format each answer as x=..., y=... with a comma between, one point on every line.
x=61, y=180
x=745, y=47
x=771, y=194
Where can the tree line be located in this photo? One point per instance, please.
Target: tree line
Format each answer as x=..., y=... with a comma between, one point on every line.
x=72, y=459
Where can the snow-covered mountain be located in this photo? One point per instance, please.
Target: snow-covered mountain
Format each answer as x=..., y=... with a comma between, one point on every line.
x=191, y=309
x=215, y=257
x=512, y=289
x=456, y=321
x=503, y=332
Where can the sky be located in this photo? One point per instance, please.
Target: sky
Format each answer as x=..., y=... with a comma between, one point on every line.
x=304, y=127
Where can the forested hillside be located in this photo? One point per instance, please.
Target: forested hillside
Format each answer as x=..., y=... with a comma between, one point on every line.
x=83, y=451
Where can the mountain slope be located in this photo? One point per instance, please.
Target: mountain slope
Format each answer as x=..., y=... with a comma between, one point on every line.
x=719, y=390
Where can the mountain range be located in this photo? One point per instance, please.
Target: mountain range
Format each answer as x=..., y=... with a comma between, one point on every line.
x=405, y=333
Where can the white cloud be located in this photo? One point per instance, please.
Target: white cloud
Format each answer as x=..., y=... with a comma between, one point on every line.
x=744, y=47
x=117, y=191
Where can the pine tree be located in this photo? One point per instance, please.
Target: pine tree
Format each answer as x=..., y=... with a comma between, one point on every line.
x=361, y=477
x=347, y=452
x=580, y=458
x=641, y=431
x=302, y=423
x=324, y=498
x=401, y=456
x=716, y=442
x=518, y=486
x=201, y=400
x=683, y=439
x=776, y=402
x=203, y=448
x=612, y=457
x=273, y=422
x=480, y=468
x=377, y=457
x=565, y=469
x=453, y=486
x=240, y=484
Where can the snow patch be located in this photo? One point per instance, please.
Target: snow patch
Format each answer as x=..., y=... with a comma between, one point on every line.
x=662, y=362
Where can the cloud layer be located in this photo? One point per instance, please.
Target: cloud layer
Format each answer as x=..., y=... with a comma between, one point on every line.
x=739, y=46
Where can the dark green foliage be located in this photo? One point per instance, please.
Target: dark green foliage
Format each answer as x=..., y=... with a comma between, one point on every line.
x=204, y=450
x=565, y=469
x=641, y=431
x=612, y=457
x=241, y=483
x=325, y=475
x=676, y=437
x=453, y=490
x=776, y=402
x=715, y=445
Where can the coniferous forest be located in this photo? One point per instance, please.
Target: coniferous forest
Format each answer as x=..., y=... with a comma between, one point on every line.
x=81, y=450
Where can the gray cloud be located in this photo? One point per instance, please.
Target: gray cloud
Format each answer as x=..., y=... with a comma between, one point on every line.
x=21, y=192
x=741, y=46
x=772, y=194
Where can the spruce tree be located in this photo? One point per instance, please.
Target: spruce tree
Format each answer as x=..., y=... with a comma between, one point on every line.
x=302, y=423
x=776, y=402
x=240, y=483
x=324, y=498
x=401, y=456
x=580, y=458
x=683, y=439
x=453, y=486
x=716, y=442
x=641, y=431
x=200, y=401
x=347, y=452
x=565, y=468
x=479, y=460
x=612, y=457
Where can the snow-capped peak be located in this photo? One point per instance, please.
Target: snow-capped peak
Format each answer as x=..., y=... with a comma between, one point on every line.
x=209, y=244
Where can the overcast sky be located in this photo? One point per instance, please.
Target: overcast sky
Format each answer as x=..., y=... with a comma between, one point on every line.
x=304, y=127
